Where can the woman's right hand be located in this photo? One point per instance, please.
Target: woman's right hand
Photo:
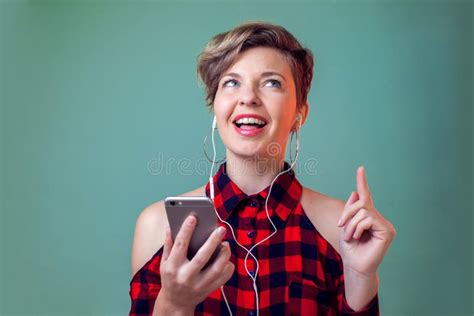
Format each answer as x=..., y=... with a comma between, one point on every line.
x=183, y=284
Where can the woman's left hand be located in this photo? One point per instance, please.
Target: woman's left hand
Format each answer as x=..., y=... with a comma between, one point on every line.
x=366, y=235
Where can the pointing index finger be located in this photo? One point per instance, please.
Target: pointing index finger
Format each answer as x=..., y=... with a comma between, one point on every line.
x=362, y=185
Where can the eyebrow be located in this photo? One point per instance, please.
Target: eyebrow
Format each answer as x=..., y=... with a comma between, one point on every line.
x=264, y=74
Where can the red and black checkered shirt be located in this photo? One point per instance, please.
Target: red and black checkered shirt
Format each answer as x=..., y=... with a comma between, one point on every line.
x=300, y=273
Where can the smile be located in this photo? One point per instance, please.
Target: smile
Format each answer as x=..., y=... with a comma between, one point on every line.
x=249, y=124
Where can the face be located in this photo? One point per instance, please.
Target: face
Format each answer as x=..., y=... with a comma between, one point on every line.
x=255, y=104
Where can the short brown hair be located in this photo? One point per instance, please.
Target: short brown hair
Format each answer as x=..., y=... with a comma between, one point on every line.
x=222, y=50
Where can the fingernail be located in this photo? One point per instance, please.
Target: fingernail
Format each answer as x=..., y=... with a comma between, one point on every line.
x=339, y=223
x=191, y=220
x=221, y=231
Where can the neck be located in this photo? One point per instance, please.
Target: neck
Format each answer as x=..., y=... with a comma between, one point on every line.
x=252, y=175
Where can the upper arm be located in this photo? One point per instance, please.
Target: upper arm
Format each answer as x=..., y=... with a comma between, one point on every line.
x=150, y=231
x=149, y=235
x=335, y=207
x=324, y=213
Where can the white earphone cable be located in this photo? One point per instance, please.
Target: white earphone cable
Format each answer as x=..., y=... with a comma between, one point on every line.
x=249, y=251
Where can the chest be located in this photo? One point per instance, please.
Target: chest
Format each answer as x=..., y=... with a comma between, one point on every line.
x=288, y=264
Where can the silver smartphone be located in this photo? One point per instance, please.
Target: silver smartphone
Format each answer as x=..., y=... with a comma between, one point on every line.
x=178, y=208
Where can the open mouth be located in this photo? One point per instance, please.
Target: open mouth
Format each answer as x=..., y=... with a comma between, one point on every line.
x=249, y=123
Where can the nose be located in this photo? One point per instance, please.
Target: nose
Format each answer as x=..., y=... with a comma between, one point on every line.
x=248, y=96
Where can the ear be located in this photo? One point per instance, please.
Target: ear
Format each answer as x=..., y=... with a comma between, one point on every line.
x=303, y=111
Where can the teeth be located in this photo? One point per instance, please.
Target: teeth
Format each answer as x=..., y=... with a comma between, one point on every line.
x=250, y=120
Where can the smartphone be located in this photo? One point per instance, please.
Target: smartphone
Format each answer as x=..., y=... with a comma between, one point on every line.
x=202, y=207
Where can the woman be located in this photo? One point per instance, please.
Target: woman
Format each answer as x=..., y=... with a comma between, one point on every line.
x=311, y=254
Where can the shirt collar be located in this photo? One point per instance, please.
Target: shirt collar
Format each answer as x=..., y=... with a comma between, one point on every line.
x=285, y=195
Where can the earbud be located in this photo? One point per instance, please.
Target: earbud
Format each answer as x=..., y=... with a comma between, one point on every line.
x=299, y=119
x=214, y=123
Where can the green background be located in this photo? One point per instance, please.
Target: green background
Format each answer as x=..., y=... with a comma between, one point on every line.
x=94, y=95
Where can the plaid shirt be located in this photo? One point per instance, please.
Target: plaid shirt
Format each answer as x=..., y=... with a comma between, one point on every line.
x=300, y=273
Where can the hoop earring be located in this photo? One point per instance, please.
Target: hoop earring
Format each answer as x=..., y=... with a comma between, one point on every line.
x=205, y=152
x=293, y=132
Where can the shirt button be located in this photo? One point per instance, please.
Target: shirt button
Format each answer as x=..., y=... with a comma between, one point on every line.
x=251, y=314
x=252, y=273
x=251, y=233
x=253, y=203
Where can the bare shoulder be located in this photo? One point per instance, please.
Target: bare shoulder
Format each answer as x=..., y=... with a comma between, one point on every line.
x=324, y=212
x=149, y=235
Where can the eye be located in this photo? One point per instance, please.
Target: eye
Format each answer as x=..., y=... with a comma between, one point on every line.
x=231, y=80
x=278, y=84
